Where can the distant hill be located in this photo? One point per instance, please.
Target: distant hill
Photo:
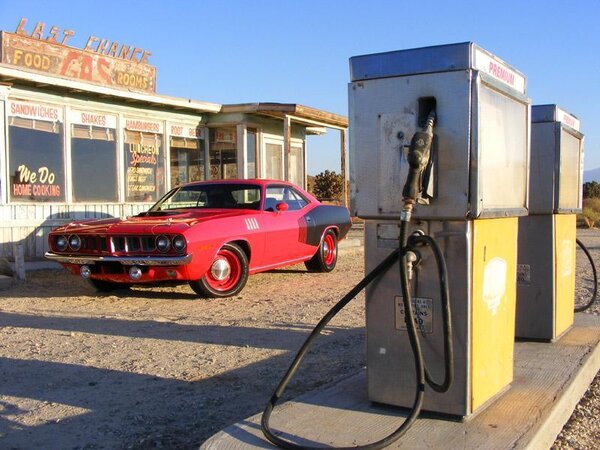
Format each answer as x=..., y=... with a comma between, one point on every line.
x=591, y=175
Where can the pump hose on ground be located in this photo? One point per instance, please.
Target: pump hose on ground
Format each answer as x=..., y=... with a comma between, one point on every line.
x=421, y=375
x=593, y=299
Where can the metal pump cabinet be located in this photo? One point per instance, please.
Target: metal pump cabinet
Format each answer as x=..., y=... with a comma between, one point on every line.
x=546, y=270
x=478, y=189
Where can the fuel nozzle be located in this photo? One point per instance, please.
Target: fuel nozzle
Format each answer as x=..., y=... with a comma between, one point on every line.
x=418, y=158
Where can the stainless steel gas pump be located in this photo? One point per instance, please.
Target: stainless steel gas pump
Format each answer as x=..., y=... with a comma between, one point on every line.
x=547, y=237
x=473, y=187
x=436, y=134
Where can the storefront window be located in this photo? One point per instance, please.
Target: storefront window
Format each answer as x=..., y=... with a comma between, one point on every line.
x=35, y=135
x=94, y=157
x=187, y=154
x=223, y=153
x=274, y=161
x=296, y=165
x=251, y=153
x=144, y=161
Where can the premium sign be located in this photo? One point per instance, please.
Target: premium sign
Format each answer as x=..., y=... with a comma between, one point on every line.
x=499, y=71
x=565, y=117
x=101, y=61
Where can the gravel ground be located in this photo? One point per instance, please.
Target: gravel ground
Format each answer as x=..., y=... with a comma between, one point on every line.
x=158, y=368
x=582, y=431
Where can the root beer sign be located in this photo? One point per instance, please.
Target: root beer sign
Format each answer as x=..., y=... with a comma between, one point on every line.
x=101, y=61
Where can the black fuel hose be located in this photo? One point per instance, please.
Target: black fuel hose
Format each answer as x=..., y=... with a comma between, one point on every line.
x=384, y=266
x=446, y=313
x=593, y=299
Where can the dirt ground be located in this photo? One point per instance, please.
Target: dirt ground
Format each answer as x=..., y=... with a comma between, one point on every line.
x=159, y=368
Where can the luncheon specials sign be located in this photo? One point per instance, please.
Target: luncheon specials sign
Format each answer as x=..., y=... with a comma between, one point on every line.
x=143, y=159
x=101, y=61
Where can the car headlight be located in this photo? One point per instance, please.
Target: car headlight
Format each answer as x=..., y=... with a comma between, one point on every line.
x=163, y=244
x=61, y=243
x=179, y=243
x=74, y=242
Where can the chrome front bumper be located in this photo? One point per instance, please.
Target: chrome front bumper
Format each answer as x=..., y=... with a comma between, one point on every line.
x=125, y=260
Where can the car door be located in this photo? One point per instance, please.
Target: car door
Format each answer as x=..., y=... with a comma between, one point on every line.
x=283, y=227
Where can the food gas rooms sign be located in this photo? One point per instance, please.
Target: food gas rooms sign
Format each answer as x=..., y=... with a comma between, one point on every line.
x=101, y=61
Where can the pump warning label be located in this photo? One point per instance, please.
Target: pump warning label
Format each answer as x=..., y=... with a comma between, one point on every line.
x=422, y=310
x=523, y=274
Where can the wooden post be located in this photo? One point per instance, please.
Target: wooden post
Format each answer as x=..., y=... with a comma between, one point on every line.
x=345, y=196
x=19, y=261
x=287, y=146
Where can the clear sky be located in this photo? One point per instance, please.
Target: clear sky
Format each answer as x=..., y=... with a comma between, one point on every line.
x=234, y=51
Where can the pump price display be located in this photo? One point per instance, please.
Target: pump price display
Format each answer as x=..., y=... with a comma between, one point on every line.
x=422, y=310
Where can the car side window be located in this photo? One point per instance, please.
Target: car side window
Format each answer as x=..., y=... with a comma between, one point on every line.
x=276, y=194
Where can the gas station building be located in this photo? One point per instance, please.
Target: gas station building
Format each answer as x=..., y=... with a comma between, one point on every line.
x=85, y=135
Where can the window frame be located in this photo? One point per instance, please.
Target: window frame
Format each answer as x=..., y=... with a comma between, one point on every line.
x=61, y=122
x=293, y=190
x=118, y=151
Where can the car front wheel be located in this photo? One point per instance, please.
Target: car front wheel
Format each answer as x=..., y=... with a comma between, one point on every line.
x=326, y=257
x=227, y=274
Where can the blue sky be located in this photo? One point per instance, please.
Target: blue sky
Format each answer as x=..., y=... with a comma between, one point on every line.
x=297, y=51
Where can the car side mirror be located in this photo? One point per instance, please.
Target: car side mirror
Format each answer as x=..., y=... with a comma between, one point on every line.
x=282, y=206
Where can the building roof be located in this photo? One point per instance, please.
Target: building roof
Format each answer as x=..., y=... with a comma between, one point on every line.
x=311, y=117
x=299, y=113
x=10, y=74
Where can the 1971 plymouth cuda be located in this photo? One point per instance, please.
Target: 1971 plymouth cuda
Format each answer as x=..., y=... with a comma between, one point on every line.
x=210, y=234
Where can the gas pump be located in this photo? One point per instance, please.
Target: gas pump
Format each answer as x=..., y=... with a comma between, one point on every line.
x=547, y=237
x=474, y=189
x=437, y=134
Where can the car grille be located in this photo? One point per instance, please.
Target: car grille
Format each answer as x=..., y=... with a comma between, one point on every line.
x=133, y=244
x=93, y=244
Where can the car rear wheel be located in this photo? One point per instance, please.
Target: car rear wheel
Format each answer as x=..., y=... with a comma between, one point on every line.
x=106, y=286
x=326, y=257
x=227, y=274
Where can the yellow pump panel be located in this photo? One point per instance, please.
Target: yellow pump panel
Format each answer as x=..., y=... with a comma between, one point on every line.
x=493, y=306
x=564, y=271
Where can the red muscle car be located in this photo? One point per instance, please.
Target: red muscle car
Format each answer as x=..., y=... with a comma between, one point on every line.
x=210, y=234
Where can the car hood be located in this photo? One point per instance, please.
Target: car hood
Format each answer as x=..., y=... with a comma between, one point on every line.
x=172, y=222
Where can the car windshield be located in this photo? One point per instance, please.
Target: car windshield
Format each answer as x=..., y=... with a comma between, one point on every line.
x=219, y=196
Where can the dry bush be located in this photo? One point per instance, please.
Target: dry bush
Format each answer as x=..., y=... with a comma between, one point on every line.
x=591, y=212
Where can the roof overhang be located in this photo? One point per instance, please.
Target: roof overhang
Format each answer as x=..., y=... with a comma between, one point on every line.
x=12, y=75
x=298, y=113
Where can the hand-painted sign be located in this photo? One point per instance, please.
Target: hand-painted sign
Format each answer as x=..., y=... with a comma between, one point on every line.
x=36, y=176
x=101, y=61
x=144, y=159
x=36, y=111
x=185, y=131
x=91, y=118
